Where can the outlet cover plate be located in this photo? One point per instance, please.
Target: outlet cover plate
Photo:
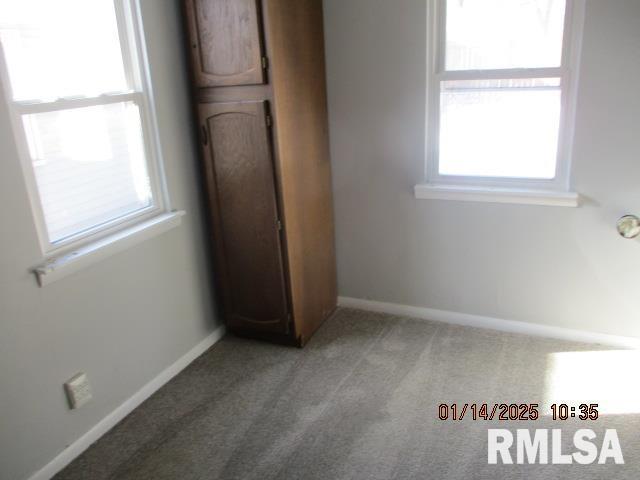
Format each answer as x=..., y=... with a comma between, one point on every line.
x=78, y=391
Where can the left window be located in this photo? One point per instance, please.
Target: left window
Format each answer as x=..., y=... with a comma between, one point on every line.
x=75, y=76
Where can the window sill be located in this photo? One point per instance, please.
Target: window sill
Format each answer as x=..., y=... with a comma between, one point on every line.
x=68, y=263
x=497, y=195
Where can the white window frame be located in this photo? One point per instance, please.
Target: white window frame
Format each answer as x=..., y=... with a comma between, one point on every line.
x=503, y=190
x=138, y=77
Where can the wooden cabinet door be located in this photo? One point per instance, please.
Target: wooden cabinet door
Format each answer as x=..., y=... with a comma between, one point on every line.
x=241, y=181
x=226, y=45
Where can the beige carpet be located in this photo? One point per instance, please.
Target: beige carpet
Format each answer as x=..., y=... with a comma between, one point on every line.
x=361, y=402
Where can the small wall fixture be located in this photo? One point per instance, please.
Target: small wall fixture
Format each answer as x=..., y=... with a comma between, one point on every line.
x=629, y=226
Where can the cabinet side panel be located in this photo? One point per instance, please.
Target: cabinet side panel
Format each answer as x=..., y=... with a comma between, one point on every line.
x=296, y=47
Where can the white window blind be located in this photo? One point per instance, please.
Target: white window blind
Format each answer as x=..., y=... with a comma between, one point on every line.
x=89, y=166
x=78, y=92
x=500, y=97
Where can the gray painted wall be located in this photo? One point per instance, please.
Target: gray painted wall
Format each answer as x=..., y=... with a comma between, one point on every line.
x=123, y=320
x=548, y=265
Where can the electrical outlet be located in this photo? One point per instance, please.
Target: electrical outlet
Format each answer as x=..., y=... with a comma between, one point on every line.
x=78, y=391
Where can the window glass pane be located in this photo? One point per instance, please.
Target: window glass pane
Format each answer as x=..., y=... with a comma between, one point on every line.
x=61, y=48
x=500, y=128
x=89, y=166
x=496, y=34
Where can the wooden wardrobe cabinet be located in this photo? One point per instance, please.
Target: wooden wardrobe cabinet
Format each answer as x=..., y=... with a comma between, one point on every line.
x=259, y=85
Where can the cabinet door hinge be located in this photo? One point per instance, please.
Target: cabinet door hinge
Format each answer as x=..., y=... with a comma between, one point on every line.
x=279, y=225
x=265, y=63
x=269, y=121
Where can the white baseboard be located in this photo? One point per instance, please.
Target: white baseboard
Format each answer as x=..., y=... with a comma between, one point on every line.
x=111, y=420
x=491, y=323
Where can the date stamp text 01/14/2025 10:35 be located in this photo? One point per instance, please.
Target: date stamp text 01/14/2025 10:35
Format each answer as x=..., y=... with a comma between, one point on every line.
x=514, y=412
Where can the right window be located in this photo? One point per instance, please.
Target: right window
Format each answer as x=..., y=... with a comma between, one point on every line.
x=501, y=92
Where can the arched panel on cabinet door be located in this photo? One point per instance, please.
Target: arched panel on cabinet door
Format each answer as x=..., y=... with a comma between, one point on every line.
x=226, y=42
